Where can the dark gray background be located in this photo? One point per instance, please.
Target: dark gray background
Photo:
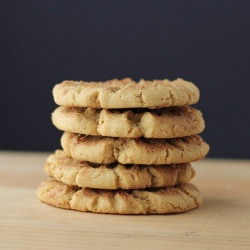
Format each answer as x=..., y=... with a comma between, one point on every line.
x=45, y=42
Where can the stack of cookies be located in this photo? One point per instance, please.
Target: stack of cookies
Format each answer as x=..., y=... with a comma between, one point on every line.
x=127, y=147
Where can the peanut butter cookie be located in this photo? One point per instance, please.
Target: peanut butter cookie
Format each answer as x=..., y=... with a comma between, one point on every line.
x=155, y=123
x=115, y=176
x=126, y=93
x=165, y=200
x=98, y=149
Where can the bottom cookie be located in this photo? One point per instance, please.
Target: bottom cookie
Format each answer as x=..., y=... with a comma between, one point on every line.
x=165, y=200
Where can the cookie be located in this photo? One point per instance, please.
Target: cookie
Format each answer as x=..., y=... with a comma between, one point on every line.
x=115, y=176
x=165, y=200
x=155, y=123
x=126, y=93
x=108, y=150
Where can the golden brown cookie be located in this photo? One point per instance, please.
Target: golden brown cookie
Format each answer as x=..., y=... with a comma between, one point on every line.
x=155, y=123
x=115, y=176
x=165, y=200
x=126, y=93
x=108, y=150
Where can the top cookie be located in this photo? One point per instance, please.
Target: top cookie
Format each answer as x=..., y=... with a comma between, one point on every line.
x=126, y=93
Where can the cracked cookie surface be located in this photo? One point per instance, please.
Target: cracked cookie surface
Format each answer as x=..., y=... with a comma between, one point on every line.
x=155, y=123
x=126, y=93
x=98, y=149
x=115, y=176
x=165, y=200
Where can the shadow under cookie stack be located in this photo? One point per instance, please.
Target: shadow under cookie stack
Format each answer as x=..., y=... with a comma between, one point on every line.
x=127, y=147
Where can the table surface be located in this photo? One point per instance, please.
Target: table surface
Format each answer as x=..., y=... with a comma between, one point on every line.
x=222, y=222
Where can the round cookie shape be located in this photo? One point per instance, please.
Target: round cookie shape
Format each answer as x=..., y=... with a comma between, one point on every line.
x=165, y=200
x=126, y=93
x=168, y=122
x=98, y=149
x=115, y=176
